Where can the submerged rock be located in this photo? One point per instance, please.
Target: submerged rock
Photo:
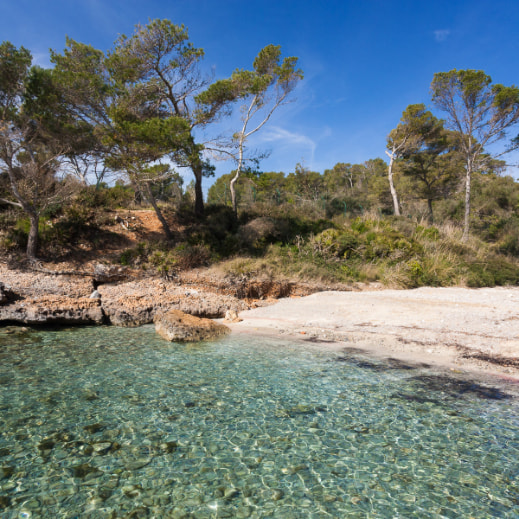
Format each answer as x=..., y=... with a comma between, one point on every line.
x=178, y=326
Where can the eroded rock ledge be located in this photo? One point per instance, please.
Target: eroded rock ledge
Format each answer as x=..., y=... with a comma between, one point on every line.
x=53, y=310
x=137, y=303
x=37, y=298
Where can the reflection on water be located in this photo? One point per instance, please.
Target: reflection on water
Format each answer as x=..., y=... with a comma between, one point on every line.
x=113, y=422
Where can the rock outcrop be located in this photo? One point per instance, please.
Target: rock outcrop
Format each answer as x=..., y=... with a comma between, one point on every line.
x=53, y=310
x=3, y=294
x=136, y=303
x=231, y=316
x=108, y=274
x=177, y=326
x=30, y=297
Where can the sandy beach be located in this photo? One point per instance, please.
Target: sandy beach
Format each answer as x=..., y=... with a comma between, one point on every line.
x=456, y=328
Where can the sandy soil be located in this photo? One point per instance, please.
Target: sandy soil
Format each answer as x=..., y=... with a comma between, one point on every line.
x=457, y=328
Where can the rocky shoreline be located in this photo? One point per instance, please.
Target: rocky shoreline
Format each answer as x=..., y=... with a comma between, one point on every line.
x=474, y=329
x=36, y=298
x=106, y=294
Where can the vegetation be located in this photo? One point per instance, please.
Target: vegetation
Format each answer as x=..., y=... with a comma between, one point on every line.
x=479, y=113
x=262, y=91
x=103, y=133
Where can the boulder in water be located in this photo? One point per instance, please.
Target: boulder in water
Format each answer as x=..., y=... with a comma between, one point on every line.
x=176, y=326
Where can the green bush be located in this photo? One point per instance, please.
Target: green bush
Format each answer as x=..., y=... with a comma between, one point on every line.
x=493, y=271
x=18, y=235
x=336, y=243
x=510, y=244
x=134, y=255
x=428, y=233
x=116, y=197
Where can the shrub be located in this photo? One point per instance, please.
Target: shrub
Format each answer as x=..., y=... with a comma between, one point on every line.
x=187, y=256
x=428, y=233
x=336, y=243
x=116, y=197
x=134, y=255
x=492, y=271
x=164, y=262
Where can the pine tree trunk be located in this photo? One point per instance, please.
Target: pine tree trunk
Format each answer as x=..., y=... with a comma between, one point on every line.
x=466, y=223
x=199, y=195
x=33, y=242
x=396, y=206
x=430, y=207
x=158, y=212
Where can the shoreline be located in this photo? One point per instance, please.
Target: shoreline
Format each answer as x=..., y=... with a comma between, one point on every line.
x=457, y=329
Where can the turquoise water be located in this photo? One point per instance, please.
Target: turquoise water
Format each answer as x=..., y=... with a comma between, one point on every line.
x=113, y=422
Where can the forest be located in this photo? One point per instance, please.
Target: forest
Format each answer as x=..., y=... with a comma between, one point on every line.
x=104, y=133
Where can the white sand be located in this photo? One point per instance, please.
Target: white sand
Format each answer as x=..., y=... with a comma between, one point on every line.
x=458, y=328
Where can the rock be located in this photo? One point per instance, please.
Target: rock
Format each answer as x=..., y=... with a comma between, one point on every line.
x=137, y=464
x=40, y=298
x=137, y=302
x=129, y=313
x=93, y=428
x=83, y=470
x=231, y=316
x=102, y=447
x=55, y=310
x=169, y=446
x=6, y=472
x=178, y=326
x=108, y=273
x=3, y=295
x=231, y=493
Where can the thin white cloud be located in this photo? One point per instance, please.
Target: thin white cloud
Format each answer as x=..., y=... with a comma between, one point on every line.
x=287, y=138
x=441, y=34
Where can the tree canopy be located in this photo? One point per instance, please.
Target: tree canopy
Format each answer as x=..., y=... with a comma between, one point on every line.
x=481, y=114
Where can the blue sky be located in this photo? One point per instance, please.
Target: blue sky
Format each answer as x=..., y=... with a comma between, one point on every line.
x=364, y=61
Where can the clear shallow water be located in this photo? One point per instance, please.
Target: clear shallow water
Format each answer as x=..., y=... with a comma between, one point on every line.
x=113, y=422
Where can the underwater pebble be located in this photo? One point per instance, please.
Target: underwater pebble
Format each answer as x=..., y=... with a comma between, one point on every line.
x=102, y=447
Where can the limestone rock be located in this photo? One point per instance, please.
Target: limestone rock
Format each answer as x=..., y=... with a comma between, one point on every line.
x=137, y=302
x=3, y=295
x=54, y=309
x=124, y=313
x=231, y=316
x=108, y=273
x=180, y=327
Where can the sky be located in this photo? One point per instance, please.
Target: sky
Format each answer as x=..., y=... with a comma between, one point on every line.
x=364, y=61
